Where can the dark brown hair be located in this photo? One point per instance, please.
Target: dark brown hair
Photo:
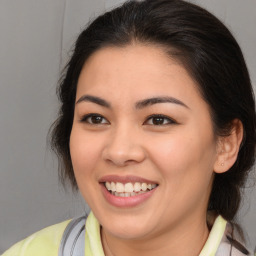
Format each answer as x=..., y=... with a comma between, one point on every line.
x=209, y=52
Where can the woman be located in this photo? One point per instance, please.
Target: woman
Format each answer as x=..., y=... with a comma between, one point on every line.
x=157, y=131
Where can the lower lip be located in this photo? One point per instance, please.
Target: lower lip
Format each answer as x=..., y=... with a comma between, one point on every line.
x=125, y=202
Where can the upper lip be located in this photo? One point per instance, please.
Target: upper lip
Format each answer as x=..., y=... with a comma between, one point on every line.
x=125, y=179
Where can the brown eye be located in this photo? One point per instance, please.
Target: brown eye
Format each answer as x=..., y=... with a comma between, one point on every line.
x=94, y=119
x=159, y=120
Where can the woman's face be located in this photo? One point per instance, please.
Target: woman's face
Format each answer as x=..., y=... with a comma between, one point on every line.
x=141, y=124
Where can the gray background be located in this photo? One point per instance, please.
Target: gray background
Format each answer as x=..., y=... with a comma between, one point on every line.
x=35, y=38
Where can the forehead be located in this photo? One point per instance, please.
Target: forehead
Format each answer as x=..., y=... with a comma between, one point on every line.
x=134, y=72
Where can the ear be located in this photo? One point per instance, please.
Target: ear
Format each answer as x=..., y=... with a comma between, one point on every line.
x=228, y=147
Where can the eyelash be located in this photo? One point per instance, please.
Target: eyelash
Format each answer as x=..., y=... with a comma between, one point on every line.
x=170, y=121
x=85, y=118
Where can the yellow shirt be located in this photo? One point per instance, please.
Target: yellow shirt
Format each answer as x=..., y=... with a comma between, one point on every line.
x=43, y=243
x=93, y=246
x=47, y=241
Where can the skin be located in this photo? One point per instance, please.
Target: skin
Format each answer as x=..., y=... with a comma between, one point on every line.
x=181, y=155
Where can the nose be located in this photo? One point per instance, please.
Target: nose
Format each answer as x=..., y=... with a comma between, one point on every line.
x=124, y=147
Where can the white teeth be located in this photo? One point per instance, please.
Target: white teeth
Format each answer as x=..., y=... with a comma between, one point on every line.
x=119, y=187
x=153, y=186
x=128, y=189
x=113, y=187
x=144, y=186
x=127, y=194
x=108, y=186
x=137, y=187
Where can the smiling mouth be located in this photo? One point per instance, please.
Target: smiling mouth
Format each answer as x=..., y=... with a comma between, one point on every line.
x=129, y=189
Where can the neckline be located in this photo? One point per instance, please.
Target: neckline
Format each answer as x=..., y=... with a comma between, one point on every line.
x=93, y=243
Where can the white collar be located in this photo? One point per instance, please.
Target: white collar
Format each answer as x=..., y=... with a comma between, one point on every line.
x=93, y=245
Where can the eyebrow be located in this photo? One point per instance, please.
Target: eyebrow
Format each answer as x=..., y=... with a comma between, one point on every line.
x=94, y=99
x=165, y=99
x=138, y=105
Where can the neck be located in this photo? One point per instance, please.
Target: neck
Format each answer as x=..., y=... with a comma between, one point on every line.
x=186, y=239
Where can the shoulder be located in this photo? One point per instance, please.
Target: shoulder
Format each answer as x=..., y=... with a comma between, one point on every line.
x=43, y=242
x=231, y=243
x=226, y=248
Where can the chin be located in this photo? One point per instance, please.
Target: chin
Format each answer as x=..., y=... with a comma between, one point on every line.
x=128, y=233
x=132, y=229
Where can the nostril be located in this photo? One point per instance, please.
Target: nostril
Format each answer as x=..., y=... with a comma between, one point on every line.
x=123, y=156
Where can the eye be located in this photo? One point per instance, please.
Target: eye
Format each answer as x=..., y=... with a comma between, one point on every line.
x=94, y=119
x=159, y=120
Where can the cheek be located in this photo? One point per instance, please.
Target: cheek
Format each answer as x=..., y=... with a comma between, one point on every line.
x=183, y=156
x=84, y=150
x=185, y=166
